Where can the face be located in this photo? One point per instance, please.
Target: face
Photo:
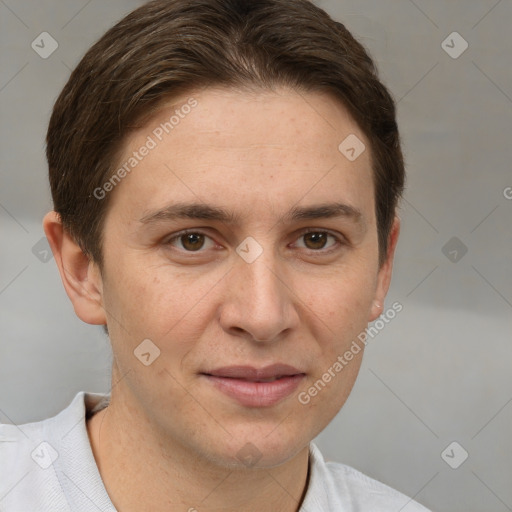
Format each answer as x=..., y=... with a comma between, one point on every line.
x=243, y=245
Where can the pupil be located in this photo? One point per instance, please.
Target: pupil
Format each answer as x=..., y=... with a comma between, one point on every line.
x=193, y=241
x=317, y=240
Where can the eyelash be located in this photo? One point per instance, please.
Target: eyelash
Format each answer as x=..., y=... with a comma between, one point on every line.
x=339, y=240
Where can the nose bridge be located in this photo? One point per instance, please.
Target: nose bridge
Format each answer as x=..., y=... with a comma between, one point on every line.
x=258, y=300
x=260, y=283
x=263, y=284
x=257, y=265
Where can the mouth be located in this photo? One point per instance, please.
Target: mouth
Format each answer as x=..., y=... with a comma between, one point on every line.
x=256, y=387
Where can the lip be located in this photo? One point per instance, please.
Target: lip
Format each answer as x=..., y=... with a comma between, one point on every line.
x=244, y=383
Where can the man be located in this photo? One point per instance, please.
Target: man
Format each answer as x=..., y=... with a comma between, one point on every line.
x=225, y=175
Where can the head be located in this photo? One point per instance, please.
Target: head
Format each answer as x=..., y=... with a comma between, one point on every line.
x=231, y=120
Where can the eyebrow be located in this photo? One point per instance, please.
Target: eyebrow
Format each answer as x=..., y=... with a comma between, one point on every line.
x=201, y=211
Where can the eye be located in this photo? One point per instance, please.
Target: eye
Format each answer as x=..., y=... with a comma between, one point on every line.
x=196, y=241
x=317, y=240
x=191, y=241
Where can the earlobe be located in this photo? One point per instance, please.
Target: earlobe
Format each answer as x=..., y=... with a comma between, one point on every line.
x=375, y=311
x=80, y=276
x=385, y=271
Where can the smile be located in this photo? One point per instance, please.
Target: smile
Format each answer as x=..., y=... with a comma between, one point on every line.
x=252, y=387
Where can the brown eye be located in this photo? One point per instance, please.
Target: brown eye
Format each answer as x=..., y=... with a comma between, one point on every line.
x=192, y=241
x=319, y=241
x=315, y=240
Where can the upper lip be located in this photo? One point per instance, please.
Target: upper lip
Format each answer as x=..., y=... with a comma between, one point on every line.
x=254, y=374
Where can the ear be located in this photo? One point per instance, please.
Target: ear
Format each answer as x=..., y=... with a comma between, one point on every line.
x=385, y=271
x=80, y=276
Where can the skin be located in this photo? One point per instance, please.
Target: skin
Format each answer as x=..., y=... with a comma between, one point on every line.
x=169, y=439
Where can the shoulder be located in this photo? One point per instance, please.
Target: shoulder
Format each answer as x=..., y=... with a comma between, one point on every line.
x=27, y=453
x=36, y=459
x=15, y=439
x=19, y=444
x=370, y=494
x=341, y=487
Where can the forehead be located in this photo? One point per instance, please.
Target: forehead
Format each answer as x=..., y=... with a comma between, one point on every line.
x=277, y=146
x=252, y=117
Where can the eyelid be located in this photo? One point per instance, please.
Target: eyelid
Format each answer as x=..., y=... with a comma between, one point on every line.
x=179, y=234
x=340, y=239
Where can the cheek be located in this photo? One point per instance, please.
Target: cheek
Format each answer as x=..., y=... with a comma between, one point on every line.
x=339, y=314
x=342, y=302
x=156, y=302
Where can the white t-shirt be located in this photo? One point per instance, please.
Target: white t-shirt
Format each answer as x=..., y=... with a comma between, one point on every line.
x=49, y=466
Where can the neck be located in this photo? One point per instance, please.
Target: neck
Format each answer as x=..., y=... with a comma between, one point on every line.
x=143, y=469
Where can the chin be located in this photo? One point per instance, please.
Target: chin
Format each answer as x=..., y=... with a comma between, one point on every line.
x=248, y=452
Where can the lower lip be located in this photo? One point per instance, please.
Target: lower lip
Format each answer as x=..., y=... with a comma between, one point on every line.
x=257, y=394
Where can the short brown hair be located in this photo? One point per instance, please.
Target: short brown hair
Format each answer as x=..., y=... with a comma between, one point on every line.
x=167, y=47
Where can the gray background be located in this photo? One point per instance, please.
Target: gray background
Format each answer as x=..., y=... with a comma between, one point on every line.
x=441, y=370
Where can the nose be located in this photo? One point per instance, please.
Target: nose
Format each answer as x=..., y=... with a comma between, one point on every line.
x=259, y=302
